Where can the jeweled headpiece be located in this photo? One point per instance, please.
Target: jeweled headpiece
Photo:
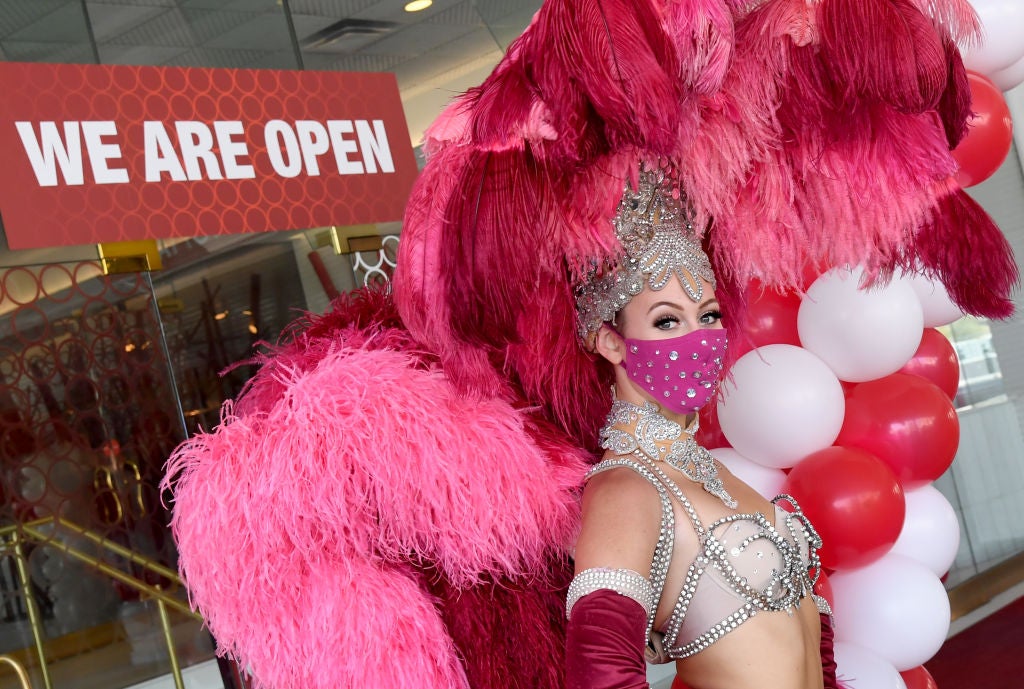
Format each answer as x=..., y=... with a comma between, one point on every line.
x=654, y=224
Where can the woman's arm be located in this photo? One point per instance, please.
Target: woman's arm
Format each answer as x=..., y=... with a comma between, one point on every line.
x=607, y=630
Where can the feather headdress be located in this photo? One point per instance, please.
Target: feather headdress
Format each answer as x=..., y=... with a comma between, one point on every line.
x=804, y=132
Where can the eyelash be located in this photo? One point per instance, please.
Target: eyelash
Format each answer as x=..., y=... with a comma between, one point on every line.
x=706, y=318
x=714, y=315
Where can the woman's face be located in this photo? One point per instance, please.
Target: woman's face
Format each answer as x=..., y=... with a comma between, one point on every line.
x=662, y=315
x=668, y=313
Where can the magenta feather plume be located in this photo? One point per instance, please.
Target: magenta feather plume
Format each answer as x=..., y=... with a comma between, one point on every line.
x=489, y=276
x=964, y=248
x=884, y=50
x=419, y=285
x=528, y=650
x=617, y=55
x=955, y=105
x=704, y=35
x=553, y=370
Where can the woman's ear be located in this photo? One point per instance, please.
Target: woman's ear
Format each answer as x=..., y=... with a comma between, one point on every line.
x=610, y=345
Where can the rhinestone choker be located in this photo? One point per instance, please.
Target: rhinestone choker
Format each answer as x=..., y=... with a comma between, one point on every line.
x=651, y=428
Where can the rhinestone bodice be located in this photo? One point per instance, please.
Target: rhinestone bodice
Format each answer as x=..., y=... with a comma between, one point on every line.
x=747, y=563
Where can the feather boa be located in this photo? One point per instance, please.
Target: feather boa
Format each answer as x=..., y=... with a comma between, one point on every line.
x=356, y=486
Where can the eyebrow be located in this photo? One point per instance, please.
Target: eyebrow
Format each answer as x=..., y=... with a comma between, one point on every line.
x=673, y=305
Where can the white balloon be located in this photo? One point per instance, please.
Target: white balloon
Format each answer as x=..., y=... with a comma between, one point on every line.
x=936, y=306
x=931, y=532
x=779, y=404
x=862, y=334
x=765, y=480
x=895, y=607
x=859, y=668
x=1002, y=26
x=1011, y=77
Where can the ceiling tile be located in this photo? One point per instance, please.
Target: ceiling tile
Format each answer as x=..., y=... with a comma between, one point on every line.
x=18, y=14
x=330, y=8
x=62, y=24
x=138, y=55
x=265, y=31
x=109, y=20
x=25, y=51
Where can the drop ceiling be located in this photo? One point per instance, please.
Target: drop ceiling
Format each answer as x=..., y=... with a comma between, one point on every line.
x=434, y=54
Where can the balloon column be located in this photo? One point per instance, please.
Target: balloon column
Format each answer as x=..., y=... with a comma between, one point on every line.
x=854, y=418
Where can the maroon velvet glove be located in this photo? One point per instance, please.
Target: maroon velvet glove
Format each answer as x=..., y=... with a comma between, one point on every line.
x=828, y=660
x=605, y=643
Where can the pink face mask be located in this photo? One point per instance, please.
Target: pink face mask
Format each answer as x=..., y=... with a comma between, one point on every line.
x=680, y=373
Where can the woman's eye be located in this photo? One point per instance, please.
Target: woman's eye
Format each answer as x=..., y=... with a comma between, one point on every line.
x=666, y=322
x=711, y=317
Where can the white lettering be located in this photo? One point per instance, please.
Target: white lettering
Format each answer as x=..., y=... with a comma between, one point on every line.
x=100, y=153
x=342, y=147
x=374, y=143
x=278, y=134
x=49, y=148
x=159, y=153
x=231, y=150
x=196, y=143
x=314, y=142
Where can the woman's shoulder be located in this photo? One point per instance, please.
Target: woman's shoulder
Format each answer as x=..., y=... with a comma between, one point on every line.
x=620, y=486
x=621, y=521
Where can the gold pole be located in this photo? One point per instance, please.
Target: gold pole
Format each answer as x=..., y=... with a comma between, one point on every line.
x=32, y=528
x=114, y=573
x=30, y=603
x=165, y=622
x=115, y=548
x=18, y=670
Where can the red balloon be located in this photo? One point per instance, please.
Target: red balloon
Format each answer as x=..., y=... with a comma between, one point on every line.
x=919, y=678
x=771, y=316
x=854, y=501
x=905, y=421
x=710, y=433
x=989, y=133
x=936, y=360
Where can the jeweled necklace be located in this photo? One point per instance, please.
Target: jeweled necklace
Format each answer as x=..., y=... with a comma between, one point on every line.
x=649, y=428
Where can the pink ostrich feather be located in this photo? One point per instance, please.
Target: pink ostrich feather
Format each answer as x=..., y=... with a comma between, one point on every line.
x=528, y=652
x=419, y=287
x=956, y=18
x=617, y=55
x=963, y=247
x=882, y=50
x=821, y=174
x=704, y=36
x=315, y=510
x=955, y=105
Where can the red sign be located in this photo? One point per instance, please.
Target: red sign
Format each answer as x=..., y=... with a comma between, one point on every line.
x=101, y=153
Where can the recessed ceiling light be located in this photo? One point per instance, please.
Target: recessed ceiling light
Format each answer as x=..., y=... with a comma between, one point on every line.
x=417, y=5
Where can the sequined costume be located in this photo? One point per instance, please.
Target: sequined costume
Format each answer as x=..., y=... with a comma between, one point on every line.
x=748, y=563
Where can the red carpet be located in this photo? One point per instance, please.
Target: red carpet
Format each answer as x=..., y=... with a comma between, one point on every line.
x=988, y=655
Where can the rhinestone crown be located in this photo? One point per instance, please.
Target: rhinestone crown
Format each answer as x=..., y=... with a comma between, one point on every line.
x=655, y=227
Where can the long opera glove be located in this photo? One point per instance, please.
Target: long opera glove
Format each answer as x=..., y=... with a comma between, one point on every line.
x=605, y=643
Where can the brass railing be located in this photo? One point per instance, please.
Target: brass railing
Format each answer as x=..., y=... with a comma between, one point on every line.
x=12, y=539
x=19, y=670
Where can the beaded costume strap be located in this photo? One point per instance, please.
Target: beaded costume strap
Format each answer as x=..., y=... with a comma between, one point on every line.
x=666, y=535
